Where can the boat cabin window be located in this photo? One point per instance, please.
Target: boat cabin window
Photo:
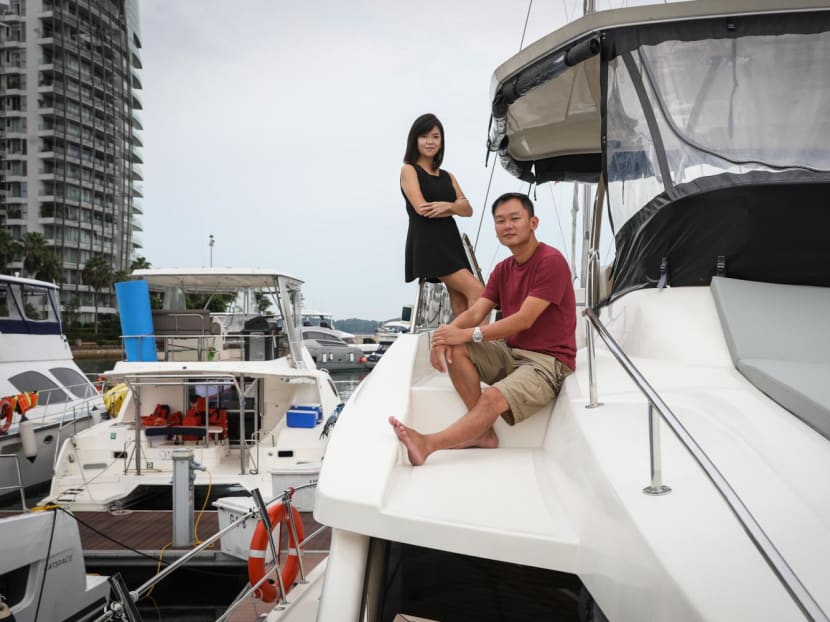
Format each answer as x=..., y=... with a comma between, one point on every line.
x=38, y=304
x=682, y=110
x=75, y=382
x=48, y=392
x=323, y=338
x=8, y=307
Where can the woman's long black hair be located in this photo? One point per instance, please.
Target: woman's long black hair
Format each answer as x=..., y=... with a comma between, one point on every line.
x=423, y=125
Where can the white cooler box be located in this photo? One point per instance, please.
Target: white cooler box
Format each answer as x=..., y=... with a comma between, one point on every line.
x=293, y=476
x=237, y=542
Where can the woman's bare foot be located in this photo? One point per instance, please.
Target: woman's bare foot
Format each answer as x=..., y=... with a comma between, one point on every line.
x=414, y=442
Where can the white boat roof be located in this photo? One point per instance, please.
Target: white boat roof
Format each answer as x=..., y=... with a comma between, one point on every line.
x=24, y=281
x=315, y=312
x=211, y=279
x=535, y=133
x=208, y=369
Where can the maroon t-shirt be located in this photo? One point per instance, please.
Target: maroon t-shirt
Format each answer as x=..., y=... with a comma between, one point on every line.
x=545, y=275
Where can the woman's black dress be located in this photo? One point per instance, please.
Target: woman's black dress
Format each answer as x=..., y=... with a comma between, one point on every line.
x=433, y=245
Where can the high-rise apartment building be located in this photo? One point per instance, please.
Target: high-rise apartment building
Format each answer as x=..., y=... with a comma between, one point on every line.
x=70, y=132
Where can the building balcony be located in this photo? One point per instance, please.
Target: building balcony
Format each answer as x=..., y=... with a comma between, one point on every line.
x=11, y=45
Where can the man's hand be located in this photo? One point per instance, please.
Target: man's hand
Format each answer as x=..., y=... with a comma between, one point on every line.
x=436, y=357
x=449, y=335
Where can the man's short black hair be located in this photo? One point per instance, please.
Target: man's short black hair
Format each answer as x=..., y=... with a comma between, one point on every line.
x=522, y=197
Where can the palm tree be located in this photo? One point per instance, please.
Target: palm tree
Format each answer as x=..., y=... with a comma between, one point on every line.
x=50, y=267
x=140, y=263
x=34, y=251
x=98, y=275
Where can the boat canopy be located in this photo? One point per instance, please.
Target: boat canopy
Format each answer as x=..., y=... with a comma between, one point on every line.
x=28, y=306
x=706, y=121
x=285, y=290
x=210, y=280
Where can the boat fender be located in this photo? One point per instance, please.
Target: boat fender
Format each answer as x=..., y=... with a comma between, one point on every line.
x=267, y=592
x=6, y=414
x=27, y=438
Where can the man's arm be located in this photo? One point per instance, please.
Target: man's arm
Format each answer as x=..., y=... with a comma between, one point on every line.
x=475, y=314
x=465, y=322
x=461, y=331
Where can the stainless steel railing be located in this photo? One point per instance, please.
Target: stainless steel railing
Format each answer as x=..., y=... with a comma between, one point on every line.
x=120, y=611
x=19, y=485
x=799, y=593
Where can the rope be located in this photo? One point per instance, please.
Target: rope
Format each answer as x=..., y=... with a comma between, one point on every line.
x=136, y=551
x=524, y=30
x=46, y=567
x=484, y=207
x=196, y=540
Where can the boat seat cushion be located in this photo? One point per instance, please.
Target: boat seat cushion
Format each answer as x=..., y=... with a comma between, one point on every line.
x=166, y=323
x=778, y=339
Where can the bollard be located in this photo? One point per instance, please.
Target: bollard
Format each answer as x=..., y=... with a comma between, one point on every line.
x=184, y=474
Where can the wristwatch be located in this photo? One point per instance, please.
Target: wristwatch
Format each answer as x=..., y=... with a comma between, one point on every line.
x=478, y=336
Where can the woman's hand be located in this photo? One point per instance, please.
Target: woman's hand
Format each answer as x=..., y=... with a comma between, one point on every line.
x=436, y=209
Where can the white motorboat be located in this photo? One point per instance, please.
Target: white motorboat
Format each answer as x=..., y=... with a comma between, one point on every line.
x=250, y=402
x=704, y=126
x=42, y=571
x=313, y=318
x=35, y=358
x=329, y=350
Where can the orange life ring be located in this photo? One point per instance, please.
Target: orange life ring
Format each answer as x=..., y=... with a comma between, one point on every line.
x=6, y=414
x=267, y=592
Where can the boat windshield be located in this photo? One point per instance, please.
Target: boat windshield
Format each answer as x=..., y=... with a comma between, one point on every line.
x=681, y=110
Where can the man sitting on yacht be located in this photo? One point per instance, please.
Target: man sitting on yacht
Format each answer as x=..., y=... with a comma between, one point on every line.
x=525, y=356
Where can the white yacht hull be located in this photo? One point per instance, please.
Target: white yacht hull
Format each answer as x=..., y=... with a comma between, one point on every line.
x=46, y=546
x=565, y=489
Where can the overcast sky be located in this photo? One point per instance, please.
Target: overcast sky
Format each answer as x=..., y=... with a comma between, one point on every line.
x=279, y=127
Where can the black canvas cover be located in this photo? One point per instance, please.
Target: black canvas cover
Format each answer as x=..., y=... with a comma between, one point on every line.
x=772, y=227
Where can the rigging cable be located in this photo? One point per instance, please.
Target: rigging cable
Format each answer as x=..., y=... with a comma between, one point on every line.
x=46, y=565
x=492, y=170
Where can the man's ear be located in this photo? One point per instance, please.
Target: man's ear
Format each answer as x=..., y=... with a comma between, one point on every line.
x=534, y=222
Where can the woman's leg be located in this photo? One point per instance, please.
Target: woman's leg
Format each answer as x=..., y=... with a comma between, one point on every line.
x=464, y=289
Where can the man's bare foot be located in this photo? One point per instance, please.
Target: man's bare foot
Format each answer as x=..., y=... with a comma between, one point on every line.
x=488, y=440
x=413, y=441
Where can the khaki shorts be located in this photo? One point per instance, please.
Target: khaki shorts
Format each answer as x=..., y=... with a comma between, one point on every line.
x=528, y=380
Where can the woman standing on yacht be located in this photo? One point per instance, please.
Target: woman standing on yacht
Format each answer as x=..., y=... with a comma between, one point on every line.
x=433, y=245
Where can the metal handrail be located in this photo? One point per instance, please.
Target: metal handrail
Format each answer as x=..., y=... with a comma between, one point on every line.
x=799, y=593
x=283, y=497
x=19, y=486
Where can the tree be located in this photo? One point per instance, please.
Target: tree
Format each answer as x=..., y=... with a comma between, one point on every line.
x=98, y=275
x=50, y=267
x=34, y=251
x=263, y=303
x=70, y=311
x=7, y=249
x=140, y=263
